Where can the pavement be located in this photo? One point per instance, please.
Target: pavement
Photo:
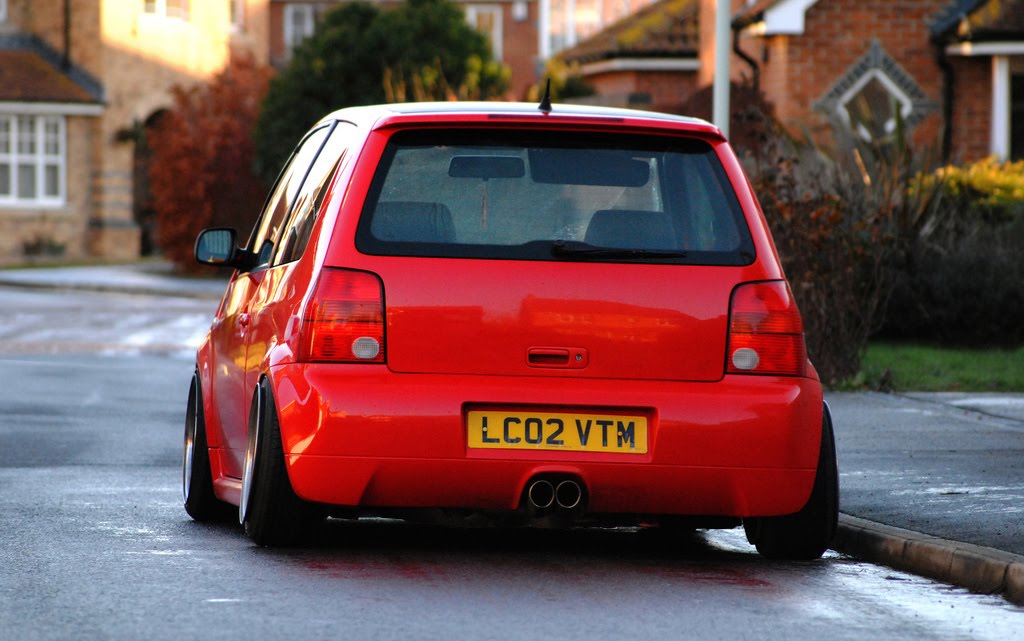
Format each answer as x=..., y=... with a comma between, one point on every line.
x=151, y=277
x=931, y=483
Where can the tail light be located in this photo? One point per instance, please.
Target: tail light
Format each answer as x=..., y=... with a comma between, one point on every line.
x=344, y=321
x=766, y=334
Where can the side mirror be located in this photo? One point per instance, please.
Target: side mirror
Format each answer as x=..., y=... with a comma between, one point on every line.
x=217, y=247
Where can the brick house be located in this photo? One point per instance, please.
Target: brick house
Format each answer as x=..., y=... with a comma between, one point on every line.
x=948, y=67
x=81, y=80
x=953, y=69
x=78, y=80
x=648, y=60
x=523, y=33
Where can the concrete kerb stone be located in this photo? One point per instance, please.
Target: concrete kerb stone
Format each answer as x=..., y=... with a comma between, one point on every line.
x=1015, y=582
x=973, y=567
x=163, y=289
x=113, y=289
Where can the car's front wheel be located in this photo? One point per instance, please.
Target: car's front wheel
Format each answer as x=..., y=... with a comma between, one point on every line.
x=808, y=533
x=196, y=477
x=270, y=511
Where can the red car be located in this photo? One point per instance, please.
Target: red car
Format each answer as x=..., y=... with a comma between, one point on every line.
x=562, y=315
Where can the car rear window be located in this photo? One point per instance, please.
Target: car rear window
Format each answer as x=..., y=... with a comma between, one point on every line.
x=525, y=195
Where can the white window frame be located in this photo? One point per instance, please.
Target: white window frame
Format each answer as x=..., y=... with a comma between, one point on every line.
x=293, y=13
x=160, y=9
x=905, y=104
x=497, y=34
x=1002, y=125
x=39, y=160
x=999, y=145
x=787, y=17
x=236, y=15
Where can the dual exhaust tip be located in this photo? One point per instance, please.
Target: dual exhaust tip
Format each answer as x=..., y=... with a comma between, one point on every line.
x=543, y=494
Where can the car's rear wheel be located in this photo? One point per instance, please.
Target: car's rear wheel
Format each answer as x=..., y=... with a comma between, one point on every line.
x=806, y=534
x=269, y=510
x=196, y=477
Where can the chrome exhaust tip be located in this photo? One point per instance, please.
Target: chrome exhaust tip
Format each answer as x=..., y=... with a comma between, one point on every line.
x=541, y=494
x=568, y=495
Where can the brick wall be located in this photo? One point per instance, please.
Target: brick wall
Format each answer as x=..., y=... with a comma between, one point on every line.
x=519, y=49
x=797, y=71
x=137, y=58
x=668, y=87
x=65, y=226
x=664, y=89
x=706, y=21
x=972, y=108
x=45, y=18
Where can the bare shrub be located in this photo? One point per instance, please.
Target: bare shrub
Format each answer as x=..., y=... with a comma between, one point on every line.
x=844, y=224
x=201, y=173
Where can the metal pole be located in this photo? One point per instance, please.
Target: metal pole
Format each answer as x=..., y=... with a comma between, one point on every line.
x=544, y=33
x=720, y=110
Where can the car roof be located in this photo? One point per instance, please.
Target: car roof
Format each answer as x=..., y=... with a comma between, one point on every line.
x=378, y=116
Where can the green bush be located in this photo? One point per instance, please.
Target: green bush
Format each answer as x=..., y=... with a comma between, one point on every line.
x=967, y=290
x=567, y=82
x=989, y=190
x=361, y=54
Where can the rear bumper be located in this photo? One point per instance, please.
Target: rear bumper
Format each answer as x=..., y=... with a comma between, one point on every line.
x=364, y=436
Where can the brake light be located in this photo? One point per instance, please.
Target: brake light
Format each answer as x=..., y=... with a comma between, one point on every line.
x=344, y=321
x=766, y=333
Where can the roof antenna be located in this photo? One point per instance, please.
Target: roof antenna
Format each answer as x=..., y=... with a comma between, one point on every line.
x=545, y=102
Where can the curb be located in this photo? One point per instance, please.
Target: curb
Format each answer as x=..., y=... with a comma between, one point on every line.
x=976, y=568
x=142, y=290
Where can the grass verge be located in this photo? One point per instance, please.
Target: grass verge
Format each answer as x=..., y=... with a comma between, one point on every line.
x=924, y=368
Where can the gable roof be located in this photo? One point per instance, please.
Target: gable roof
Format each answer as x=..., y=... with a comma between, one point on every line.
x=753, y=12
x=982, y=20
x=667, y=28
x=26, y=77
x=788, y=19
x=31, y=72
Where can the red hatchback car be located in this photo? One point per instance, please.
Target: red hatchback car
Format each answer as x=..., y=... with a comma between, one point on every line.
x=569, y=316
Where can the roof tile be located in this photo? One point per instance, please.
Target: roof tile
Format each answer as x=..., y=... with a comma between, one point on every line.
x=25, y=76
x=665, y=28
x=997, y=20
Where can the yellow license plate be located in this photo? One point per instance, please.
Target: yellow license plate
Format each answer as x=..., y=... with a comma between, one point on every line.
x=572, y=432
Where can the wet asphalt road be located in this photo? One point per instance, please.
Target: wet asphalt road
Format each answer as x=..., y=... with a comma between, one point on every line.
x=94, y=544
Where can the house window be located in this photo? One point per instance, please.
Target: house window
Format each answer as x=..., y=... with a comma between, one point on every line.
x=167, y=8
x=873, y=106
x=237, y=12
x=559, y=36
x=1016, y=114
x=32, y=160
x=299, y=23
x=486, y=18
x=588, y=18
x=871, y=97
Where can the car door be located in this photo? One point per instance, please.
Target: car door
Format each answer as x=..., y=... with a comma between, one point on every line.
x=230, y=334
x=278, y=296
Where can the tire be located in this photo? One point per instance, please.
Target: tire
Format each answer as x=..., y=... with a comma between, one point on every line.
x=269, y=510
x=807, y=534
x=201, y=502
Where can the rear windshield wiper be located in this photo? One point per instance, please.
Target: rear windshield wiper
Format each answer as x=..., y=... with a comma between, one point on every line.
x=574, y=249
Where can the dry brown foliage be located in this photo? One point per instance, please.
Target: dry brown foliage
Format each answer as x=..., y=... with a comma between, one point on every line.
x=202, y=169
